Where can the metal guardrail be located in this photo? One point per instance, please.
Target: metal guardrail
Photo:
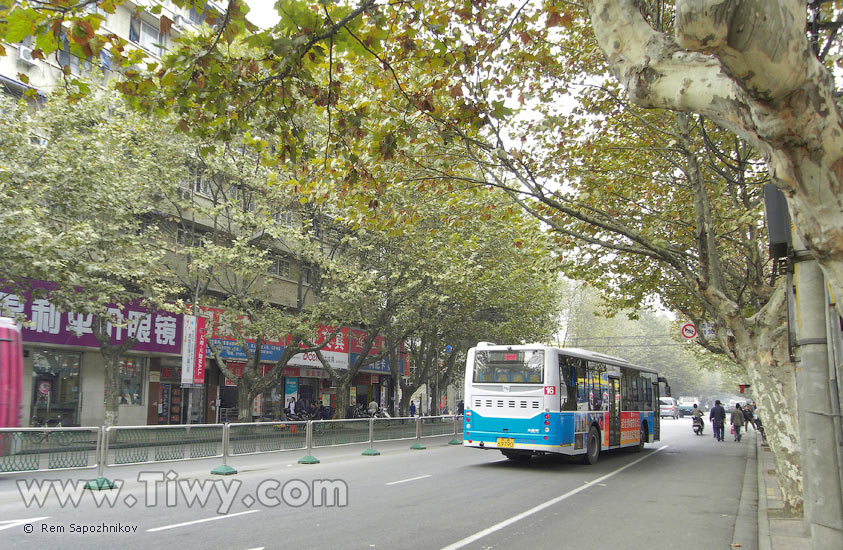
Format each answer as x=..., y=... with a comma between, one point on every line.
x=49, y=449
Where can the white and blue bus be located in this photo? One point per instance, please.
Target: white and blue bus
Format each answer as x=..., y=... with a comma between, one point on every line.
x=527, y=400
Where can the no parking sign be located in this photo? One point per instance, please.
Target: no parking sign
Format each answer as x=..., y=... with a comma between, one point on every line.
x=688, y=331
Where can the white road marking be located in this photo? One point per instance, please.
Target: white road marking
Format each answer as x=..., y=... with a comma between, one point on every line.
x=200, y=521
x=406, y=480
x=507, y=522
x=8, y=524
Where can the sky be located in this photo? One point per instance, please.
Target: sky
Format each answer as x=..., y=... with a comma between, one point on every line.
x=262, y=13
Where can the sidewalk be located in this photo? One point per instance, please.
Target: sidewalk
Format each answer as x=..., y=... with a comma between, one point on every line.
x=776, y=530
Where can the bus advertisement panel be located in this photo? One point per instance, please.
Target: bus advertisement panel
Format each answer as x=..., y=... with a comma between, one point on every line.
x=11, y=373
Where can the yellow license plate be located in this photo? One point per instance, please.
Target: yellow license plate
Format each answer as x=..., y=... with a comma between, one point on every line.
x=506, y=442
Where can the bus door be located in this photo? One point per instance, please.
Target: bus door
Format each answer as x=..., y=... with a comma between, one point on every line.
x=614, y=411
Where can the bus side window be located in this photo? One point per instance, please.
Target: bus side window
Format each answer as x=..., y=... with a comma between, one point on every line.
x=582, y=390
x=567, y=384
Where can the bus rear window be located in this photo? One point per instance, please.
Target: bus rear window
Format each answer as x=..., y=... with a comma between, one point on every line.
x=510, y=367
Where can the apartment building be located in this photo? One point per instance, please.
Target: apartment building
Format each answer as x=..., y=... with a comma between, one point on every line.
x=64, y=375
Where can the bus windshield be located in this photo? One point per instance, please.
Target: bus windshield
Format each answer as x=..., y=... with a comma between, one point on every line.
x=508, y=366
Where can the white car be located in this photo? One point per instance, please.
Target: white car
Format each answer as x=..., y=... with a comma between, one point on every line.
x=668, y=407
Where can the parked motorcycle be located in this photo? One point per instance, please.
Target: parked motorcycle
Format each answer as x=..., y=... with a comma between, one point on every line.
x=698, y=425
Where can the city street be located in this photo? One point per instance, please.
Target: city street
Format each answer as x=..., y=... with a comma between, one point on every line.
x=683, y=492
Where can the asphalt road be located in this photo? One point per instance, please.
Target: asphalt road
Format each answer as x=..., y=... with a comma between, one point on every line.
x=682, y=492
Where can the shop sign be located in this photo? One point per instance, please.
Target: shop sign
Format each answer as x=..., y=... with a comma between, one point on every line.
x=221, y=333
x=335, y=352
x=156, y=332
x=237, y=369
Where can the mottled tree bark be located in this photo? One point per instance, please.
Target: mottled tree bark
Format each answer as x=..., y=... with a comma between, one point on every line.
x=748, y=65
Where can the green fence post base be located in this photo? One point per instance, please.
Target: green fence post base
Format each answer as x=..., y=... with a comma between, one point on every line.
x=418, y=447
x=224, y=470
x=455, y=441
x=99, y=484
x=371, y=452
x=308, y=460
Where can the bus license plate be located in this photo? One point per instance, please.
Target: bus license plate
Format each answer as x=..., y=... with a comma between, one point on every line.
x=506, y=442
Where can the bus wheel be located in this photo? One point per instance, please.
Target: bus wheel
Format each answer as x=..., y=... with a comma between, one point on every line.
x=592, y=448
x=642, y=438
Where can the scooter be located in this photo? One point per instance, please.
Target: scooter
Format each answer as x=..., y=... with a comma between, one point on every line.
x=698, y=425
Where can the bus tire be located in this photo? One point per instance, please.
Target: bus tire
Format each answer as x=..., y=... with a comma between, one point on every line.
x=592, y=447
x=642, y=438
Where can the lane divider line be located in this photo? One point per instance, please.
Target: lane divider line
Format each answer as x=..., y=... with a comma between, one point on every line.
x=200, y=521
x=507, y=522
x=406, y=480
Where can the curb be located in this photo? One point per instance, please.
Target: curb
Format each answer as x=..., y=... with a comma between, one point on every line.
x=764, y=542
x=745, y=534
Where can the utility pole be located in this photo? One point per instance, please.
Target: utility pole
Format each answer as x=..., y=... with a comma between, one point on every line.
x=823, y=496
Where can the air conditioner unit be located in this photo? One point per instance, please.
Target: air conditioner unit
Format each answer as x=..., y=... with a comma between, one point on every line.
x=25, y=56
x=180, y=22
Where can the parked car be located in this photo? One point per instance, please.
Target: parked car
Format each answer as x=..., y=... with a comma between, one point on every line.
x=668, y=407
x=686, y=404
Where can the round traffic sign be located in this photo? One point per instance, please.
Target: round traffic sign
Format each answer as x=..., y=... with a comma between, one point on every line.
x=688, y=331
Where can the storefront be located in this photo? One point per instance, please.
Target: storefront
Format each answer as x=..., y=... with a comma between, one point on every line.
x=65, y=374
x=55, y=387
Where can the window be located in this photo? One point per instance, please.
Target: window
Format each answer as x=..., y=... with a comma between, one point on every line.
x=105, y=59
x=132, y=376
x=147, y=35
x=197, y=18
x=66, y=59
x=307, y=276
x=285, y=218
x=190, y=236
x=279, y=266
x=525, y=367
x=199, y=180
x=55, y=387
x=94, y=9
x=568, y=382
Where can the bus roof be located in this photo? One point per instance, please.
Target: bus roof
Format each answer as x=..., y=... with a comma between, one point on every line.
x=573, y=352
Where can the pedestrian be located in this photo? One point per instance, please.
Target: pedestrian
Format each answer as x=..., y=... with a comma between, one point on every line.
x=748, y=417
x=460, y=408
x=412, y=408
x=737, y=421
x=717, y=416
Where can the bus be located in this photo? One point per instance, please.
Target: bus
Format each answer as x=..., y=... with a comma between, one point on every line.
x=527, y=400
x=11, y=373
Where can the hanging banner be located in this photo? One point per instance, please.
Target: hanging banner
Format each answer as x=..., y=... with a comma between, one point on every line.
x=200, y=353
x=188, y=348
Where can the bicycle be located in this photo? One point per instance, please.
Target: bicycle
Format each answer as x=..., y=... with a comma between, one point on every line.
x=37, y=438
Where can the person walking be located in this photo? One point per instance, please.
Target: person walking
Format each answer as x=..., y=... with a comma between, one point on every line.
x=717, y=416
x=748, y=417
x=737, y=421
x=412, y=408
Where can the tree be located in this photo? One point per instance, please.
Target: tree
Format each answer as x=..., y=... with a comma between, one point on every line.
x=750, y=67
x=75, y=193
